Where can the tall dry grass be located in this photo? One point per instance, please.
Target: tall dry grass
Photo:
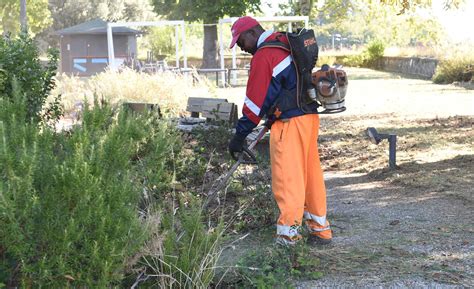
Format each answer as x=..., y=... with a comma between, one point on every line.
x=183, y=252
x=170, y=90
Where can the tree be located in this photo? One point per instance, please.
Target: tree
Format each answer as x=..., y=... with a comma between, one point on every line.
x=406, y=5
x=37, y=13
x=207, y=11
x=366, y=21
x=67, y=13
x=393, y=21
x=305, y=6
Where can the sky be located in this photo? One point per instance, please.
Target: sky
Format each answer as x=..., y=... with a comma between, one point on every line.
x=458, y=23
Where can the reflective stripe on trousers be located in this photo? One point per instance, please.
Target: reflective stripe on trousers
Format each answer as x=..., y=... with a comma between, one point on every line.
x=297, y=177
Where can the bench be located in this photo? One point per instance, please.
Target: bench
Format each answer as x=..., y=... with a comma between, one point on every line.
x=213, y=109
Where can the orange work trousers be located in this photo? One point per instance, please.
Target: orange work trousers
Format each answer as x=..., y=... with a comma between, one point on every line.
x=297, y=177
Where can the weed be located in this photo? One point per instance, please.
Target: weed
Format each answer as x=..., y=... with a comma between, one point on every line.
x=188, y=251
x=203, y=157
x=277, y=267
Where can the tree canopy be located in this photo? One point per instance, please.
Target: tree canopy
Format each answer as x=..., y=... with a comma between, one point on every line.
x=406, y=5
x=208, y=11
x=364, y=21
x=72, y=12
x=37, y=12
x=305, y=7
x=395, y=22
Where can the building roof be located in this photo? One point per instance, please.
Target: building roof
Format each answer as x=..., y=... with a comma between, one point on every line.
x=97, y=26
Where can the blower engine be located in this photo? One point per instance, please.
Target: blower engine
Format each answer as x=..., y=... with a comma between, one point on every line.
x=331, y=87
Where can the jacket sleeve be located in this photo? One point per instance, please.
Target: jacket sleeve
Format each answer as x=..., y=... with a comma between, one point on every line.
x=257, y=90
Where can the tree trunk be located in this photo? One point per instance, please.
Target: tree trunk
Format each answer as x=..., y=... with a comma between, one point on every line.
x=23, y=19
x=209, y=55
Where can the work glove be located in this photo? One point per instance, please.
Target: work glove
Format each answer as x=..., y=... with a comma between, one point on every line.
x=236, y=145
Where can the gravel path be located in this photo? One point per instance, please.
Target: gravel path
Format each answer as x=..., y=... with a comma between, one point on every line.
x=387, y=236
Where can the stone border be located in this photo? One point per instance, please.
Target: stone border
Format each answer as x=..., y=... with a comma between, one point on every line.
x=419, y=66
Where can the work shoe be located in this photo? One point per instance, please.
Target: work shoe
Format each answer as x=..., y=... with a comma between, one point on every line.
x=287, y=241
x=317, y=239
x=318, y=235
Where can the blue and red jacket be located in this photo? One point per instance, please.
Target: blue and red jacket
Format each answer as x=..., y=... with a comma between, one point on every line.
x=271, y=70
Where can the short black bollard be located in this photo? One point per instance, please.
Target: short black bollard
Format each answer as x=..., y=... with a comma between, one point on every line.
x=376, y=138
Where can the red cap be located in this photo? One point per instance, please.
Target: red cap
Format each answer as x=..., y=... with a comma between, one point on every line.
x=242, y=24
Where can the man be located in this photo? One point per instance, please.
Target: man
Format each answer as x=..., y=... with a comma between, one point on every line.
x=297, y=178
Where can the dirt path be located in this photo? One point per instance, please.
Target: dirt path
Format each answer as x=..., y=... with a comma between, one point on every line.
x=407, y=228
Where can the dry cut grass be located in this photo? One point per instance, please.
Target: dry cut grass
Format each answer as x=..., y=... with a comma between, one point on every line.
x=434, y=154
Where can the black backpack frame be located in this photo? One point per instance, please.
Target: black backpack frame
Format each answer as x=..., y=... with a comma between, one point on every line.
x=304, y=51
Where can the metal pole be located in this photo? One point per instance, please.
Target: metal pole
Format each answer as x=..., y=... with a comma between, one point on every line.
x=392, y=140
x=234, y=57
x=234, y=65
x=221, y=52
x=110, y=46
x=183, y=37
x=176, y=37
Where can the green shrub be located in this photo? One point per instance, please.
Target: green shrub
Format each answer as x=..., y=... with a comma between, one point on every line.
x=368, y=58
x=458, y=68
x=375, y=49
x=69, y=201
x=19, y=59
x=373, y=53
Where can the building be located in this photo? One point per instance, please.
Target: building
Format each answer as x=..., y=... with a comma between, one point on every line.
x=84, y=47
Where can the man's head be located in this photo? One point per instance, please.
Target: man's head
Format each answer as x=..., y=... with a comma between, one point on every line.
x=245, y=33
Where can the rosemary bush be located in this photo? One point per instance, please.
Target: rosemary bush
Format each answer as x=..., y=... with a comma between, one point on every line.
x=69, y=201
x=19, y=59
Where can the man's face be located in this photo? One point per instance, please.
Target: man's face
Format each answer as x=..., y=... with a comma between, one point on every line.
x=248, y=41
